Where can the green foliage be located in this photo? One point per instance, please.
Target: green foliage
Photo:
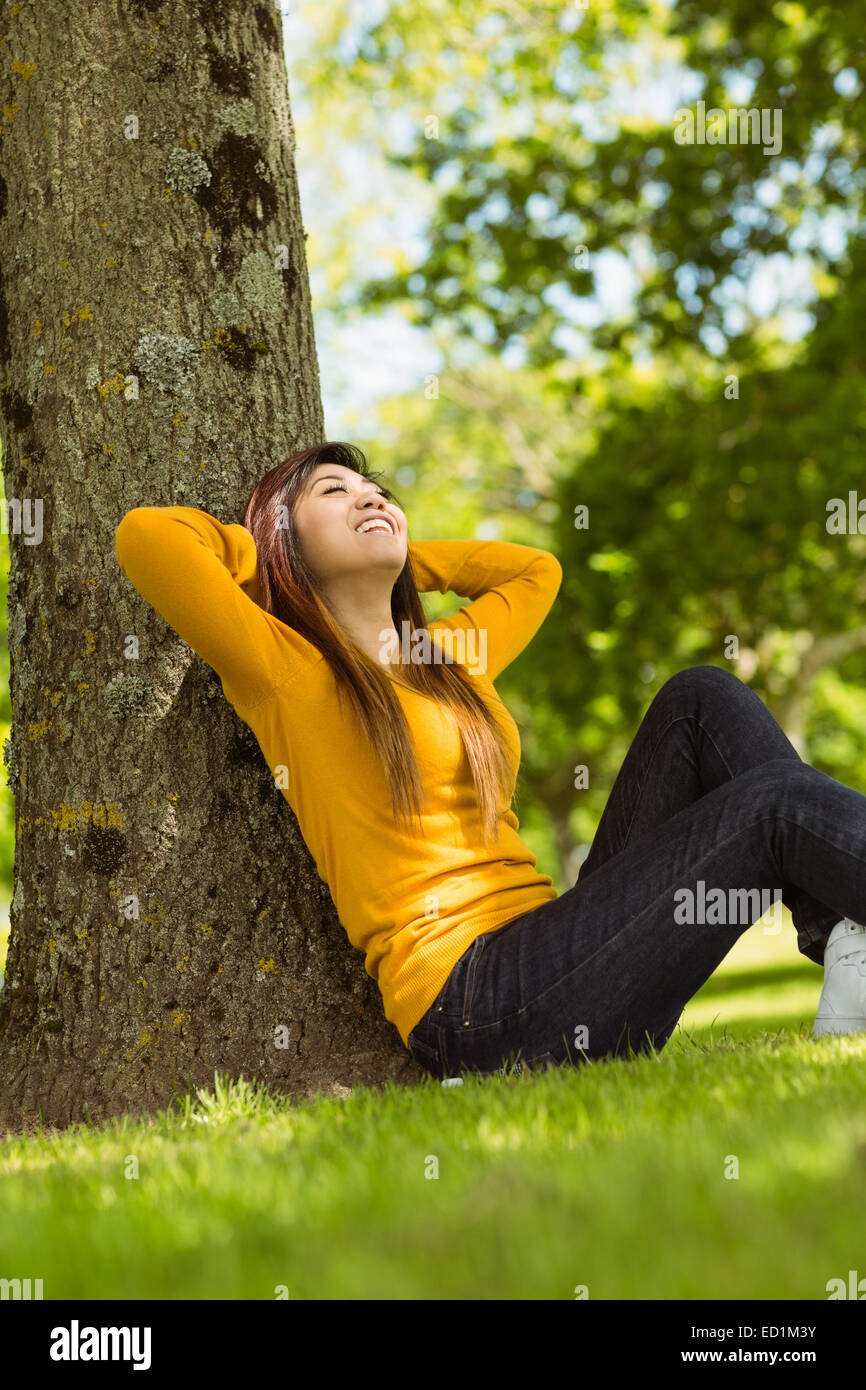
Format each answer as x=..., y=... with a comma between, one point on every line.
x=546, y=142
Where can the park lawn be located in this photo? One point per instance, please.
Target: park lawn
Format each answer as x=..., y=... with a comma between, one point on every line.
x=610, y=1175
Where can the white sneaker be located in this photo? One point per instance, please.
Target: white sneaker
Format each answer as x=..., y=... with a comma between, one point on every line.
x=842, y=1006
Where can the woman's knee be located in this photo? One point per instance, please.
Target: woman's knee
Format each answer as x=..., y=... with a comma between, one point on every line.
x=703, y=678
x=696, y=684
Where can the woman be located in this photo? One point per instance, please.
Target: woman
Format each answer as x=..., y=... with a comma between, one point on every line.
x=390, y=744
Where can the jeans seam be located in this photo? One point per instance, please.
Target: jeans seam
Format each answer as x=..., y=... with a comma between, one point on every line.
x=644, y=777
x=469, y=988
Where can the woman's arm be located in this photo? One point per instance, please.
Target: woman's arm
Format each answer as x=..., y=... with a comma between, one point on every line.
x=193, y=569
x=513, y=588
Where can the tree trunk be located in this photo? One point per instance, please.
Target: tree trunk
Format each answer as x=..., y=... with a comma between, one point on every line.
x=157, y=349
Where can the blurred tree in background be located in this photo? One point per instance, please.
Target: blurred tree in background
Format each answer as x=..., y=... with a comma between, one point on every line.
x=666, y=334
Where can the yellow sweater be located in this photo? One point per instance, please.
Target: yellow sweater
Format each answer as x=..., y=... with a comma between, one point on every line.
x=412, y=905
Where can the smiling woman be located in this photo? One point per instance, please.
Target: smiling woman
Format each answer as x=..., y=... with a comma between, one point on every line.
x=346, y=592
x=336, y=508
x=403, y=797
x=475, y=955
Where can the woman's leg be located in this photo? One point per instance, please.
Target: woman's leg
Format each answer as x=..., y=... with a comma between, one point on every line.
x=704, y=727
x=611, y=963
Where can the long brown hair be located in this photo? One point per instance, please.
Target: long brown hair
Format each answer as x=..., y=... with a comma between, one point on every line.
x=287, y=589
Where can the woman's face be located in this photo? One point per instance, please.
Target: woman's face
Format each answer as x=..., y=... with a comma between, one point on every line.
x=336, y=502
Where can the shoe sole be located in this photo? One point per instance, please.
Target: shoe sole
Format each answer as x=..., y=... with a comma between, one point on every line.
x=843, y=1025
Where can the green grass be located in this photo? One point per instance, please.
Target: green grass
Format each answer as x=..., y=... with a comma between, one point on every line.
x=609, y=1175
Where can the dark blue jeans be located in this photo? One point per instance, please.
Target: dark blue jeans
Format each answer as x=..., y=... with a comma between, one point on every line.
x=711, y=795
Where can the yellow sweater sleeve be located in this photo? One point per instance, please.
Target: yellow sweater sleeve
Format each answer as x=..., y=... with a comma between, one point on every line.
x=195, y=571
x=513, y=587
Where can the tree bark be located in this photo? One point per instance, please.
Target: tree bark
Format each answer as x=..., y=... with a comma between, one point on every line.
x=156, y=348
